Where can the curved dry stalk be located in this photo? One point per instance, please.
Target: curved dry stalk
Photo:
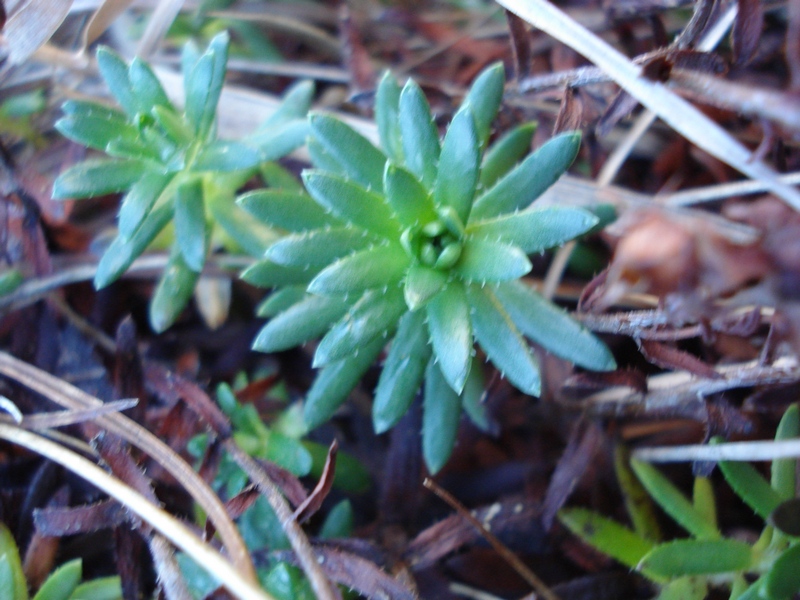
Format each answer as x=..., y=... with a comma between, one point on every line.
x=170, y=527
x=69, y=396
x=679, y=114
x=738, y=451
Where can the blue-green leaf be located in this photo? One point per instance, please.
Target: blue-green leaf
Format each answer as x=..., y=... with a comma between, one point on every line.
x=502, y=341
x=173, y=125
x=441, y=412
x=115, y=72
x=281, y=300
x=190, y=223
x=62, y=582
x=352, y=203
x=375, y=267
x=506, y=152
x=267, y=274
x=421, y=284
x=318, y=247
x=782, y=581
x=674, y=503
x=459, y=165
x=402, y=373
x=224, y=156
x=411, y=202
x=204, y=85
x=281, y=140
x=172, y=292
x=96, y=130
x=529, y=179
x=246, y=233
x=387, y=117
x=293, y=211
x=98, y=177
x=304, y=321
x=482, y=261
x=335, y=382
x=419, y=134
x=356, y=155
x=124, y=250
x=535, y=229
x=139, y=200
x=339, y=522
x=553, y=328
x=472, y=399
x=451, y=334
x=484, y=99
x=146, y=86
x=607, y=536
x=751, y=487
x=293, y=107
x=375, y=315
x=697, y=557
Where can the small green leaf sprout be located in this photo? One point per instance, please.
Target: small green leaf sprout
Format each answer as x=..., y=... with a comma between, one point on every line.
x=422, y=243
x=173, y=168
x=768, y=569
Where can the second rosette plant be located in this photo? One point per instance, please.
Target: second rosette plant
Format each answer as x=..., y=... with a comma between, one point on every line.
x=421, y=243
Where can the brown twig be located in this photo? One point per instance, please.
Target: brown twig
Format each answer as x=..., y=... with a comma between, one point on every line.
x=522, y=570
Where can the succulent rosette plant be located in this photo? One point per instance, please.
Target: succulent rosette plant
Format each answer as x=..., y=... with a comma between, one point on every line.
x=422, y=244
x=173, y=168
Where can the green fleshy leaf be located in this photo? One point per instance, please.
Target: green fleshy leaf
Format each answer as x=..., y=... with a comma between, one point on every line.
x=703, y=499
x=484, y=99
x=288, y=453
x=319, y=247
x=751, y=487
x=12, y=577
x=190, y=223
x=505, y=153
x=280, y=178
x=375, y=315
x=123, y=251
x=419, y=134
x=293, y=211
x=674, y=503
x=501, y=340
x=294, y=106
x=335, y=382
x=441, y=412
x=251, y=236
x=553, y=328
x=697, y=557
x=87, y=109
x=637, y=502
x=139, y=149
x=459, y=165
x=387, y=117
x=358, y=158
x=281, y=300
x=146, y=86
x=96, y=131
x=352, y=203
x=375, y=267
x=115, y=72
x=321, y=158
x=607, y=536
x=472, y=400
x=172, y=293
x=784, y=478
x=402, y=373
x=204, y=85
x=482, y=261
x=97, y=178
x=62, y=582
x=303, y=321
x=536, y=229
x=410, y=201
x=421, y=284
x=281, y=140
x=782, y=581
x=224, y=156
x=451, y=334
x=138, y=202
x=102, y=588
x=339, y=522
x=173, y=125
x=684, y=588
x=285, y=582
x=529, y=179
x=267, y=274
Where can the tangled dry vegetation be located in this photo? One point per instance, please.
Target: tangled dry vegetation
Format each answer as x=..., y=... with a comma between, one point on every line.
x=690, y=115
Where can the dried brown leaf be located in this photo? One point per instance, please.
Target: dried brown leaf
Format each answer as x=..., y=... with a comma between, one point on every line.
x=747, y=31
x=311, y=504
x=29, y=24
x=61, y=521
